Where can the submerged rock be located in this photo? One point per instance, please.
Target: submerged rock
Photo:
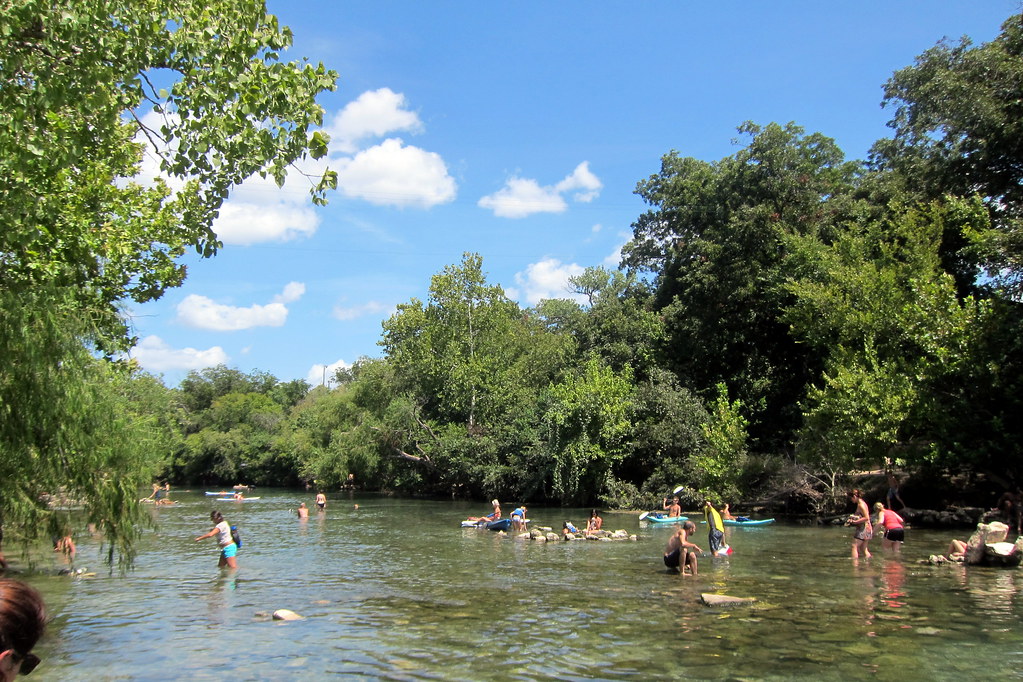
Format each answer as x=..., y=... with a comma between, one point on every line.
x=725, y=600
x=286, y=614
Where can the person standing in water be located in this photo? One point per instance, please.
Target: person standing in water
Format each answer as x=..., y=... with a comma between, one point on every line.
x=715, y=527
x=321, y=500
x=894, y=528
x=518, y=518
x=860, y=519
x=228, y=548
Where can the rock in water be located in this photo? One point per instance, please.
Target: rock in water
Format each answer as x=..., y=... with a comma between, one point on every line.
x=725, y=600
x=1004, y=554
x=986, y=535
x=286, y=614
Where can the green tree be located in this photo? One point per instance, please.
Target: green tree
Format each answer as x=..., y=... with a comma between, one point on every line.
x=667, y=434
x=714, y=239
x=72, y=432
x=878, y=303
x=456, y=348
x=79, y=82
x=620, y=323
x=588, y=418
x=958, y=125
x=718, y=467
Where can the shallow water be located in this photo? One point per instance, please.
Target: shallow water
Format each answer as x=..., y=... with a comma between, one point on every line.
x=395, y=590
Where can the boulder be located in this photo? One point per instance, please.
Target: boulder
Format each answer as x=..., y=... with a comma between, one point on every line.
x=1001, y=554
x=286, y=614
x=986, y=534
x=725, y=600
x=551, y=537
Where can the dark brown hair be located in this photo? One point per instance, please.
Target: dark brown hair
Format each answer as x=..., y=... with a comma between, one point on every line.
x=22, y=616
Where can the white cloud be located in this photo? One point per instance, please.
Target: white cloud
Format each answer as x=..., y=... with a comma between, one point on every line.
x=292, y=292
x=522, y=197
x=318, y=374
x=156, y=356
x=614, y=259
x=585, y=181
x=393, y=174
x=355, y=312
x=244, y=223
x=375, y=113
x=204, y=313
x=547, y=279
x=258, y=210
x=389, y=173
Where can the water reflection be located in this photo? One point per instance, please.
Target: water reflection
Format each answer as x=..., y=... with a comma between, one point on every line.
x=893, y=577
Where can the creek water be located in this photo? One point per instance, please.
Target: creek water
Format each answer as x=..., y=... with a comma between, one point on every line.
x=396, y=590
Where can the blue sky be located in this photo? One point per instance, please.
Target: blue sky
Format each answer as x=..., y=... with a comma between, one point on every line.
x=517, y=131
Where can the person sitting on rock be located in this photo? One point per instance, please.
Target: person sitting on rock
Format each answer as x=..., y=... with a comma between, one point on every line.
x=956, y=550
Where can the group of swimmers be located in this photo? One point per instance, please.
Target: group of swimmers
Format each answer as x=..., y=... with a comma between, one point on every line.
x=321, y=505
